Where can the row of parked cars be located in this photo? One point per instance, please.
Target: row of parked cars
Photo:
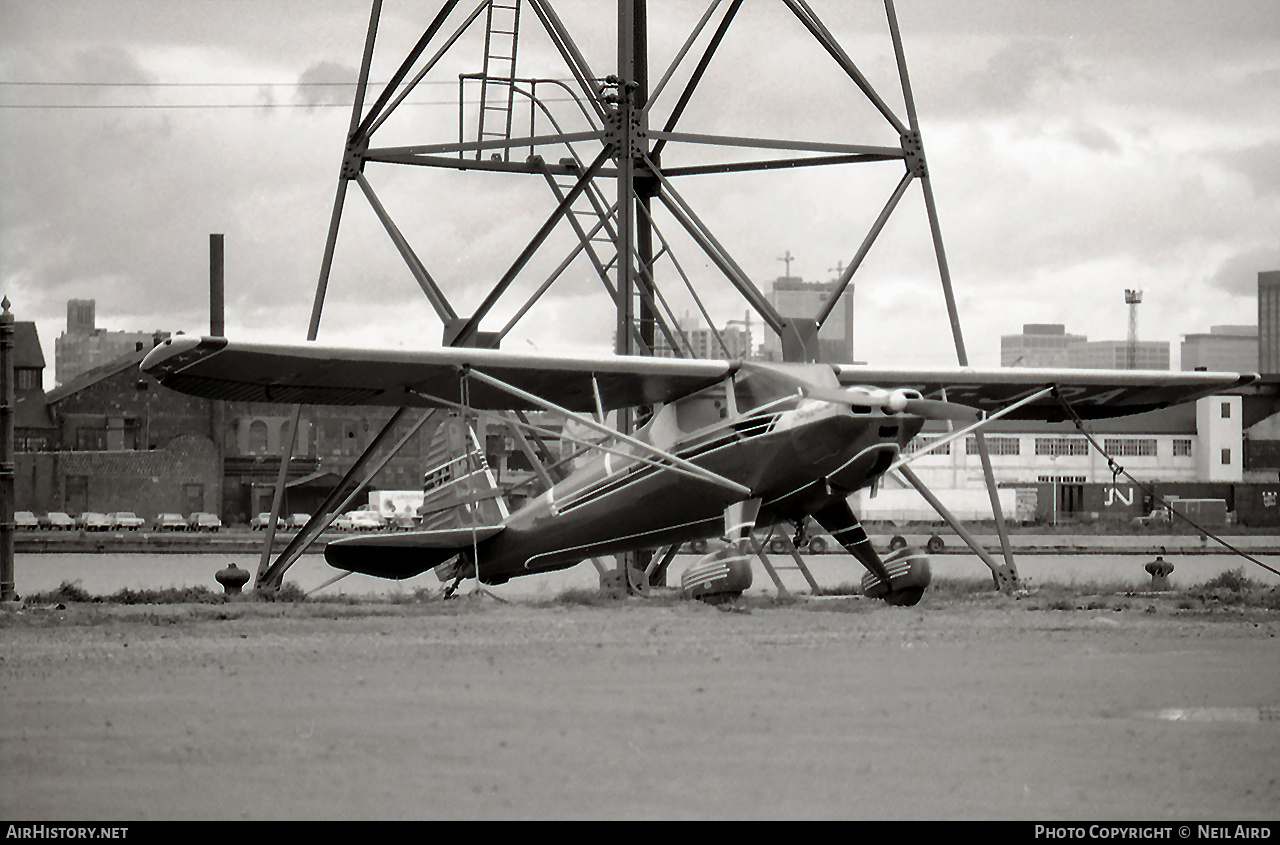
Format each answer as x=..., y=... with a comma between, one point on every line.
x=361, y=519
x=292, y=522
x=118, y=521
x=357, y=520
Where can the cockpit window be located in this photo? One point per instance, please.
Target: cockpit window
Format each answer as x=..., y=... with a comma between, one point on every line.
x=754, y=389
x=707, y=407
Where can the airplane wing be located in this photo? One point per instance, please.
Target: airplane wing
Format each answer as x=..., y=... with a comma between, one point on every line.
x=1094, y=394
x=309, y=374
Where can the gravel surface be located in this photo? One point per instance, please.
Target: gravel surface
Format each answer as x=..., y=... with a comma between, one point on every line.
x=980, y=708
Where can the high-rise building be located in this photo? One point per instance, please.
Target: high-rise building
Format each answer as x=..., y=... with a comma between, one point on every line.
x=1049, y=345
x=792, y=297
x=1039, y=345
x=1116, y=355
x=1232, y=349
x=1269, y=321
x=84, y=346
x=734, y=341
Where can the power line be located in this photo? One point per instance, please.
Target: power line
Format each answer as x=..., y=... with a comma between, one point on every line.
x=80, y=84
x=197, y=106
x=200, y=106
x=201, y=84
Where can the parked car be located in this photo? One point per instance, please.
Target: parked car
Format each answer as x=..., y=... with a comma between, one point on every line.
x=366, y=520
x=126, y=521
x=170, y=522
x=297, y=520
x=203, y=522
x=93, y=521
x=57, y=521
x=262, y=520
x=357, y=520
x=25, y=520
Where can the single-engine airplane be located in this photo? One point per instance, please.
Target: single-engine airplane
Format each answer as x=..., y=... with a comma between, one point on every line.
x=728, y=446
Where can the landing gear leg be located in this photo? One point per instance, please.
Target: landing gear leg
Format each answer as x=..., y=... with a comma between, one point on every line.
x=901, y=580
x=842, y=523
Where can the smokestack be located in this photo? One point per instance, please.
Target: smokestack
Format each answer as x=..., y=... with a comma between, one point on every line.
x=217, y=321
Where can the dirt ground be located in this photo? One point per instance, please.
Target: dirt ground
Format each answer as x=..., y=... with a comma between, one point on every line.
x=988, y=708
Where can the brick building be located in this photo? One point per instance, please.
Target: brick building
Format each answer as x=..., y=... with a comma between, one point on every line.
x=113, y=439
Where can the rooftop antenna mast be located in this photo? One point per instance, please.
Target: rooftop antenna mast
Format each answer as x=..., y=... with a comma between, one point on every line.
x=787, y=259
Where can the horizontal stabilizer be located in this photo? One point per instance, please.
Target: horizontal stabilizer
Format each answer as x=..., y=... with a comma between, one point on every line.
x=404, y=554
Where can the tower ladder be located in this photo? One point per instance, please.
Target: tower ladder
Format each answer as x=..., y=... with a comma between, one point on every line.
x=497, y=84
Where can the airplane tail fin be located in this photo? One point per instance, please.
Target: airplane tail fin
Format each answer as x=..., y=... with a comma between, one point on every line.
x=459, y=488
x=462, y=506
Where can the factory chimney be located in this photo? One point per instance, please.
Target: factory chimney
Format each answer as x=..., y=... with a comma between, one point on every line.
x=1133, y=298
x=217, y=319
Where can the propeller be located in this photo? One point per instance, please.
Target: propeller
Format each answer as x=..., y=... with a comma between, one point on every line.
x=899, y=401
x=936, y=409
x=902, y=400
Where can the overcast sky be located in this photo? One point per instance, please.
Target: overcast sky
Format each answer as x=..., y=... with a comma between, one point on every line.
x=1076, y=149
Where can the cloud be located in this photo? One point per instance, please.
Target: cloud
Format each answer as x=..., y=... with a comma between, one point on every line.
x=1260, y=164
x=327, y=82
x=1238, y=274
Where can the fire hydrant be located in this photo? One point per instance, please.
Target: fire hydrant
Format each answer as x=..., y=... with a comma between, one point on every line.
x=232, y=579
x=1160, y=570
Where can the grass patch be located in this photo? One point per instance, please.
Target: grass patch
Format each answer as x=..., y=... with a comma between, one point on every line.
x=1233, y=589
x=1228, y=589
x=586, y=597
x=72, y=592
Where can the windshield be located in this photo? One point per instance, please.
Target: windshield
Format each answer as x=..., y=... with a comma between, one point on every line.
x=755, y=389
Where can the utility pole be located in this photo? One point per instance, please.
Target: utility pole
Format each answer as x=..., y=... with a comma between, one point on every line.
x=8, y=406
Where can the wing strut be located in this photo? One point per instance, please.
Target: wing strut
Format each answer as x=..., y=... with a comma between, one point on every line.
x=970, y=429
x=1006, y=578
